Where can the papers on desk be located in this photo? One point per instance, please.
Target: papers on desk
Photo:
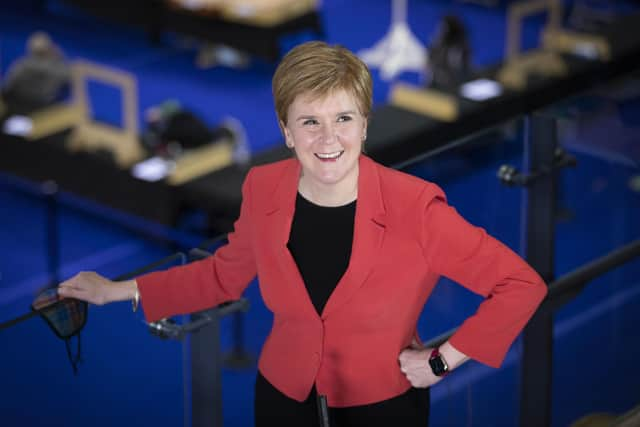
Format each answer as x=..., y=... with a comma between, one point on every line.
x=153, y=169
x=586, y=50
x=481, y=89
x=18, y=125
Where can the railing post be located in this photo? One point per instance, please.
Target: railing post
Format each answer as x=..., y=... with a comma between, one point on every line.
x=49, y=190
x=239, y=357
x=206, y=375
x=537, y=344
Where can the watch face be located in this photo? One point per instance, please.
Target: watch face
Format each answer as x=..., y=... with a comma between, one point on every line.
x=438, y=366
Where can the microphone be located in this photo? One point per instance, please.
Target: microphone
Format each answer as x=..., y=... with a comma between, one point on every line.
x=323, y=410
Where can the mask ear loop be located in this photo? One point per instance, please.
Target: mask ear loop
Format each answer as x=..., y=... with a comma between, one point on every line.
x=77, y=359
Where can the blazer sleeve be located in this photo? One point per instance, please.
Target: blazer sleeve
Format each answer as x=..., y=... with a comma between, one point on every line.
x=469, y=256
x=202, y=284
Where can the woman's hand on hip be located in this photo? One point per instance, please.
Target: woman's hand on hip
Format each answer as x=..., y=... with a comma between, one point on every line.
x=414, y=364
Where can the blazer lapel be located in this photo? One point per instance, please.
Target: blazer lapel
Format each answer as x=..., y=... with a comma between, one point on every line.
x=368, y=234
x=280, y=216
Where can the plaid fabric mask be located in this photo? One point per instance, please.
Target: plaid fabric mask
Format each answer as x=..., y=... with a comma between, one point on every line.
x=65, y=316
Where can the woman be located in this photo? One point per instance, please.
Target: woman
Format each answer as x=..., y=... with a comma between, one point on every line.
x=347, y=252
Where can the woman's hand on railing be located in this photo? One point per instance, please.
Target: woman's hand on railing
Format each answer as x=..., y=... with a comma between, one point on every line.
x=96, y=289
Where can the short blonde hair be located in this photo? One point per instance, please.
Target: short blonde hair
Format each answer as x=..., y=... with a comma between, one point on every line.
x=319, y=69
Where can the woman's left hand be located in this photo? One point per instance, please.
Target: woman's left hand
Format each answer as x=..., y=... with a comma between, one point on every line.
x=414, y=364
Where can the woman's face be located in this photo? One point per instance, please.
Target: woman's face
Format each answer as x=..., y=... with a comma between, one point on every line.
x=327, y=135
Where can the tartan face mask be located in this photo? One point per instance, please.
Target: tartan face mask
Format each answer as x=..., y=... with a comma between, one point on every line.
x=65, y=316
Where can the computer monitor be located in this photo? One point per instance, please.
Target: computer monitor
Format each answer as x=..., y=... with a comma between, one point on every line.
x=520, y=11
x=520, y=65
x=91, y=134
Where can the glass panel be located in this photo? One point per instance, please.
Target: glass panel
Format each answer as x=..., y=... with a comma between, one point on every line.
x=25, y=263
x=125, y=372
x=468, y=175
x=595, y=341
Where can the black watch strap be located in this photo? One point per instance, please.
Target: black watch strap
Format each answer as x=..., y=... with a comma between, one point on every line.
x=438, y=365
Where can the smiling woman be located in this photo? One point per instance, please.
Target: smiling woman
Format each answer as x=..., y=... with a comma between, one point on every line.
x=347, y=253
x=323, y=97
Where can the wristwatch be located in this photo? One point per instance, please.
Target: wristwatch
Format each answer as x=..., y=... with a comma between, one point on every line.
x=438, y=364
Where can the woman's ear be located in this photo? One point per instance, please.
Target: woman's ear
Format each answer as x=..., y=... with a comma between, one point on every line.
x=287, y=135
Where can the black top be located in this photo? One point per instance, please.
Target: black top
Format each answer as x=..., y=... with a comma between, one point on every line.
x=320, y=243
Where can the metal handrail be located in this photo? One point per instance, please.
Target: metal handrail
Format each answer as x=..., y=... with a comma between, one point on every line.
x=149, y=267
x=568, y=286
x=211, y=242
x=167, y=328
x=579, y=277
x=177, y=256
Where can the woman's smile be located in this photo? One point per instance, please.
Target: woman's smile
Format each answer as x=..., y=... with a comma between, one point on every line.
x=329, y=157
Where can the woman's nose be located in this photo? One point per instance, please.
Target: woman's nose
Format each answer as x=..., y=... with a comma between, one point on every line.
x=328, y=134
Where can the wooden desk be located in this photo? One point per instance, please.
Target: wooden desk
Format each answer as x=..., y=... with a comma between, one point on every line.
x=259, y=37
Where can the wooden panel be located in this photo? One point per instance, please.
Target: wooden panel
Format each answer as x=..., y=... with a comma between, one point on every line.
x=428, y=102
x=263, y=13
x=53, y=119
x=201, y=161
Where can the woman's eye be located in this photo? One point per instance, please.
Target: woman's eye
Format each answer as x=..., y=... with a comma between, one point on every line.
x=344, y=118
x=310, y=122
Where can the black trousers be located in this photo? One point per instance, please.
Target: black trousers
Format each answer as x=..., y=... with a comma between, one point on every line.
x=272, y=408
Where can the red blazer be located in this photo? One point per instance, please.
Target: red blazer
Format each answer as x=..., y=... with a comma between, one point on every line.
x=405, y=238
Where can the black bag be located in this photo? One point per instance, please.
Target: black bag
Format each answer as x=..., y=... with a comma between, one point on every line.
x=449, y=55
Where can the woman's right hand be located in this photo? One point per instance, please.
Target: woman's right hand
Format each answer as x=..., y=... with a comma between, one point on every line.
x=96, y=289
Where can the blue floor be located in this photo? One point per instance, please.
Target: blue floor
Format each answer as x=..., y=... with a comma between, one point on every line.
x=129, y=377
